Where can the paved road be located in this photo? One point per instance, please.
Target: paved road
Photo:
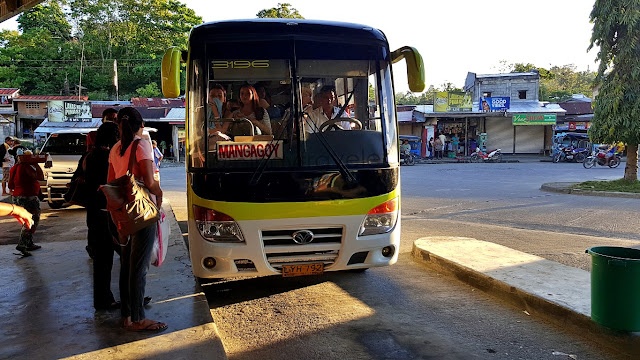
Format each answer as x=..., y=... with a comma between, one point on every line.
x=502, y=203
x=408, y=312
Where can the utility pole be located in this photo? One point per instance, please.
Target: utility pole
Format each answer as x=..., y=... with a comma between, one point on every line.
x=81, y=62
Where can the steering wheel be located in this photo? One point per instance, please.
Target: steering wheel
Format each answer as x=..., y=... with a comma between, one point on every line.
x=333, y=124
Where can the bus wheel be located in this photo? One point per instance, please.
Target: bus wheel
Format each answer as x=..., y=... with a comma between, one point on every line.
x=55, y=204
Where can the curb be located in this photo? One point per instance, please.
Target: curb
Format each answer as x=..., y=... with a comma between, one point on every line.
x=565, y=188
x=624, y=342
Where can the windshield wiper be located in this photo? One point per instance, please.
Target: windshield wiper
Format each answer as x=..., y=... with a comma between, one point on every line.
x=344, y=171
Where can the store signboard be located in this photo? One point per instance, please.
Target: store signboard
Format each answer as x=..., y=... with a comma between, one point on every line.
x=452, y=101
x=573, y=125
x=498, y=103
x=69, y=111
x=534, y=119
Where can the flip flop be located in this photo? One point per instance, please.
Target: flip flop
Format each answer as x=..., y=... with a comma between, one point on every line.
x=23, y=254
x=153, y=327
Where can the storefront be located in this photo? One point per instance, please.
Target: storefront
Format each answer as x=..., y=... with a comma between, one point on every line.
x=526, y=128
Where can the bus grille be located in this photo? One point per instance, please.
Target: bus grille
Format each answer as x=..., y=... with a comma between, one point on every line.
x=280, y=248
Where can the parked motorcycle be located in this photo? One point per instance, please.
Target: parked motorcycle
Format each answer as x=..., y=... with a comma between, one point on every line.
x=600, y=157
x=570, y=153
x=481, y=156
x=407, y=159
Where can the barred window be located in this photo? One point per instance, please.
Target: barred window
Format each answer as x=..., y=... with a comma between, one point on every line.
x=32, y=105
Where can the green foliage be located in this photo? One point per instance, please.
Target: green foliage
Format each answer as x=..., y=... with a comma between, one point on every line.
x=425, y=98
x=135, y=33
x=620, y=185
x=48, y=17
x=282, y=11
x=616, y=31
x=559, y=83
x=149, y=90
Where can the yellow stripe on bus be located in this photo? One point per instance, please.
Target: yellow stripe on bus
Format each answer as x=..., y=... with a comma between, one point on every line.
x=283, y=210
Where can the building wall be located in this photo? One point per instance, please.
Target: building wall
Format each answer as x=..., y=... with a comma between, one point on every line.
x=507, y=88
x=23, y=110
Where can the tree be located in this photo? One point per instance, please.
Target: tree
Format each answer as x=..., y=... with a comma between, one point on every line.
x=616, y=30
x=54, y=45
x=47, y=16
x=559, y=83
x=282, y=11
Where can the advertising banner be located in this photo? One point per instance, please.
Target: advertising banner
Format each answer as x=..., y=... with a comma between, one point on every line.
x=55, y=110
x=452, y=101
x=495, y=103
x=534, y=119
x=77, y=111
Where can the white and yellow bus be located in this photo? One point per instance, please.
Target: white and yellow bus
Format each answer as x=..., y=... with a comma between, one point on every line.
x=305, y=197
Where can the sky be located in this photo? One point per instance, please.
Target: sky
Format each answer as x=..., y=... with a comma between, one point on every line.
x=453, y=36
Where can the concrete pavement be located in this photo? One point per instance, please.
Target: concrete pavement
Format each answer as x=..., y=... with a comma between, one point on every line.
x=46, y=305
x=546, y=289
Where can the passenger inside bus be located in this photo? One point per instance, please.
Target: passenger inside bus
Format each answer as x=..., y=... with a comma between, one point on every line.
x=252, y=111
x=216, y=111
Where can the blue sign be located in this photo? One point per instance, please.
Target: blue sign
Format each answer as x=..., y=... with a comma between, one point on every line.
x=494, y=103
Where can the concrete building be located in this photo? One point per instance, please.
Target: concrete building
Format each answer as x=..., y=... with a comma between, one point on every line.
x=521, y=125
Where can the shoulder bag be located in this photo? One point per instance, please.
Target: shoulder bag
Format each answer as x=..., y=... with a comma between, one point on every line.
x=129, y=203
x=78, y=194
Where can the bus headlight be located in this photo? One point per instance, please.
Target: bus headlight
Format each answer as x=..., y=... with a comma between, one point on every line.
x=216, y=226
x=381, y=219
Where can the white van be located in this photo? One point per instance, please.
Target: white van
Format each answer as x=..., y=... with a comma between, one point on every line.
x=64, y=149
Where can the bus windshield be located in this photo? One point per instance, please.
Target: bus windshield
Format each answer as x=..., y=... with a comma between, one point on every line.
x=291, y=111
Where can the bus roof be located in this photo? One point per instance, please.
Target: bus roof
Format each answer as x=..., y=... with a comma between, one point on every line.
x=313, y=28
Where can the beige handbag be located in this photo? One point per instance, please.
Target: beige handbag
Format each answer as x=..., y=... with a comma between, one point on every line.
x=129, y=203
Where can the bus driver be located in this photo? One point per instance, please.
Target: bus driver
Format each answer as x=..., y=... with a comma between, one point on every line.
x=325, y=111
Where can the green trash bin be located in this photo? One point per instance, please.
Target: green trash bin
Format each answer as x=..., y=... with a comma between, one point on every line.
x=615, y=287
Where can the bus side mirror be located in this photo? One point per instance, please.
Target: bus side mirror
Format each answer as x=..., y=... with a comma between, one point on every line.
x=415, y=66
x=171, y=73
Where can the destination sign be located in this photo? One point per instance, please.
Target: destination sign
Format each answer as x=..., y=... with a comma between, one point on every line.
x=254, y=150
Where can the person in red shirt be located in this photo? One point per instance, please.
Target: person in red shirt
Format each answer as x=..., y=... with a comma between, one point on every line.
x=23, y=181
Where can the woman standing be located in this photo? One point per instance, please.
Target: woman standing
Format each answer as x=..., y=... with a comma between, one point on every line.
x=135, y=256
x=99, y=224
x=250, y=109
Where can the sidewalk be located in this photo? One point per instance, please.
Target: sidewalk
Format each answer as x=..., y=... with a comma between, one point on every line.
x=46, y=307
x=506, y=158
x=557, y=293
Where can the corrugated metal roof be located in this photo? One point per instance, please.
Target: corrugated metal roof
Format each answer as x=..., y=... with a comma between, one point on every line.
x=112, y=103
x=405, y=116
x=517, y=107
x=176, y=114
x=8, y=91
x=157, y=102
x=49, y=97
x=577, y=107
x=530, y=73
x=47, y=127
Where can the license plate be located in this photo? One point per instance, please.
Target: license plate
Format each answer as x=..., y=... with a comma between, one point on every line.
x=302, y=269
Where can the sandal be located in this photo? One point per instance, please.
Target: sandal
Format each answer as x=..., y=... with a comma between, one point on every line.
x=155, y=326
